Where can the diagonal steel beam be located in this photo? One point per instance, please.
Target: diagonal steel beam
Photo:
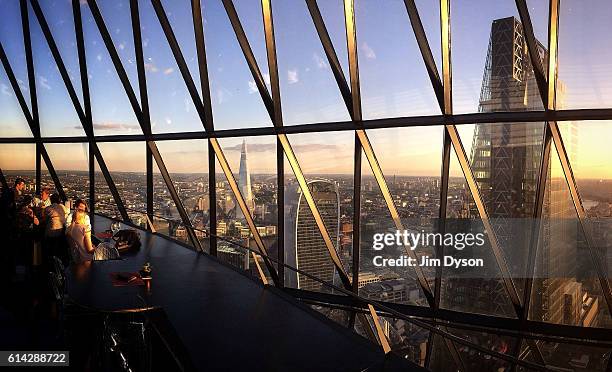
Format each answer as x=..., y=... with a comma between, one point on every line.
x=268, y=22
x=125, y=82
x=475, y=192
x=250, y=57
x=330, y=53
x=32, y=120
x=277, y=120
x=532, y=47
x=145, y=116
x=553, y=42
x=180, y=60
x=382, y=338
x=445, y=174
x=85, y=121
x=426, y=54
x=243, y=207
x=198, y=28
x=299, y=175
x=353, y=60
x=355, y=111
x=596, y=260
x=384, y=188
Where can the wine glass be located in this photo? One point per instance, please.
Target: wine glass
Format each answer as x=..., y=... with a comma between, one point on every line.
x=115, y=226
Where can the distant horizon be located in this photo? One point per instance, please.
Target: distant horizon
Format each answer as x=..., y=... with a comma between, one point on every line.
x=269, y=174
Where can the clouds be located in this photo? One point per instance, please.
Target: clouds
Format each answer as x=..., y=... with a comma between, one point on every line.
x=106, y=126
x=269, y=147
x=319, y=61
x=44, y=82
x=368, y=52
x=168, y=71
x=5, y=90
x=252, y=87
x=150, y=67
x=292, y=76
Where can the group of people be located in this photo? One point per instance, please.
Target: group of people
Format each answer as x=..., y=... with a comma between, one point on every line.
x=41, y=226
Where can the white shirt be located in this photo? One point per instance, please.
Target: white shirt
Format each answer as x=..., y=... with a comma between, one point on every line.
x=69, y=220
x=56, y=218
x=38, y=202
x=76, y=239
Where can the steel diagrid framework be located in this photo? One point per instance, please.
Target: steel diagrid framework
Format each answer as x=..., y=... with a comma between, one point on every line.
x=545, y=74
x=84, y=117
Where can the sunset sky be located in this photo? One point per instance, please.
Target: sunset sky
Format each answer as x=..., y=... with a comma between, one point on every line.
x=393, y=81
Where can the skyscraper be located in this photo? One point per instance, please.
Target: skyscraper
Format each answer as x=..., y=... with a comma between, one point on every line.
x=505, y=159
x=304, y=245
x=244, y=184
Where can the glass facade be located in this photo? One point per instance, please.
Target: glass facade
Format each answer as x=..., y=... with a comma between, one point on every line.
x=284, y=137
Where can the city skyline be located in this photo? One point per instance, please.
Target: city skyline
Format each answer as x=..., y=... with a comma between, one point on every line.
x=388, y=89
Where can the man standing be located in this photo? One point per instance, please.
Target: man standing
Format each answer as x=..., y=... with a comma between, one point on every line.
x=44, y=201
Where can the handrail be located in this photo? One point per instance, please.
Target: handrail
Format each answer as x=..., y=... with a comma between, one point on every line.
x=376, y=304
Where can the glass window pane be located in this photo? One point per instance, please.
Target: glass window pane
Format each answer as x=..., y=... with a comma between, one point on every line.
x=491, y=66
x=253, y=164
x=111, y=110
x=61, y=22
x=116, y=15
x=303, y=69
x=410, y=159
x=126, y=164
x=57, y=113
x=231, y=83
x=187, y=163
x=71, y=163
x=12, y=122
x=333, y=15
x=330, y=181
x=19, y=160
x=584, y=66
x=566, y=287
x=11, y=36
x=389, y=88
x=171, y=106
